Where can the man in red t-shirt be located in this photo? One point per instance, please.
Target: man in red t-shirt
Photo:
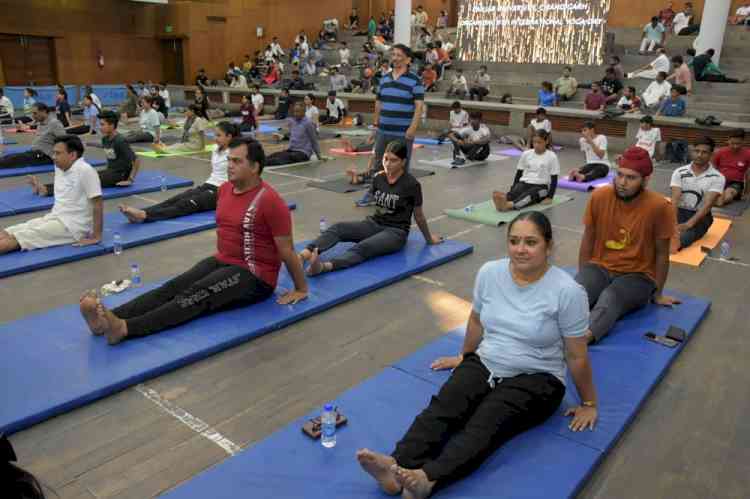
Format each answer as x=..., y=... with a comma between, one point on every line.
x=254, y=235
x=733, y=162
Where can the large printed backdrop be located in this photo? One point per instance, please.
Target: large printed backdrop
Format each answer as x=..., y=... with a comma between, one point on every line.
x=532, y=31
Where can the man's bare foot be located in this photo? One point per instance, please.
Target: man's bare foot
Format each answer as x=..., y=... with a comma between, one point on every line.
x=117, y=329
x=316, y=266
x=415, y=483
x=134, y=215
x=88, y=304
x=379, y=466
x=501, y=201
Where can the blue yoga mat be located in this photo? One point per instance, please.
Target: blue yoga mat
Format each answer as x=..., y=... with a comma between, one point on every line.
x=132, y=235
x=22, y=200
x=13, y=149
x=6, y=141
x=34, y=170
x=85, y=368
x=549, y=461
x=428, y=141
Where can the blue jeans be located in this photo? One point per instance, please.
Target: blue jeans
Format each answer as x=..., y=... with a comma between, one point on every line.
x=381, y=141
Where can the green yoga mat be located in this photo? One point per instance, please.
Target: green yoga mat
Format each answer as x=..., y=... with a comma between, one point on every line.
x=157, y=155
x=485, y=213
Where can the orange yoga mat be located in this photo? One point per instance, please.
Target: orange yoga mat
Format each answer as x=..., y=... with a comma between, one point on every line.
x=693, y=255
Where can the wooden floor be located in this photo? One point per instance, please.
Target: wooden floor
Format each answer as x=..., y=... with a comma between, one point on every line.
x=691, y=440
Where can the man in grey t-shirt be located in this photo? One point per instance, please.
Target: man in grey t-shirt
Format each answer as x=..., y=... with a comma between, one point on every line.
x=48, y=129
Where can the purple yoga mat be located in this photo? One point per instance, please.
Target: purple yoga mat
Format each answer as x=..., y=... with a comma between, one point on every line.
x=564, y=183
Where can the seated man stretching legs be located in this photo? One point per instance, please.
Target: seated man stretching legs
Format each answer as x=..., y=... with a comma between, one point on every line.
x=695, y=189
x=254, y=235
x=48, y=128
x=536, y=177
x=303, y=140
x=197, y=199
x=76, y=216
x=398, y=197
x=471, y=142
x=624, y=257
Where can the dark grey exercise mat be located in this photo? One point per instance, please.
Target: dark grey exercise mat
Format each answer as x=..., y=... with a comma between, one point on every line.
x=342, y=185
x=166, y=140
x=732, y=210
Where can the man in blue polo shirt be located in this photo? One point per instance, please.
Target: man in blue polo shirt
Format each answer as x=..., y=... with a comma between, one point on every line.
x=674, y=106
x=398, y=108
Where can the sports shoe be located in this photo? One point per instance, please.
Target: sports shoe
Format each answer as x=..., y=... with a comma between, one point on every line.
x=458, y=162
x=367, y=200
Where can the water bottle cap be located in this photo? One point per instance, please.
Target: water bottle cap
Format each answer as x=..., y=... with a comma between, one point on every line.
x=328, y=407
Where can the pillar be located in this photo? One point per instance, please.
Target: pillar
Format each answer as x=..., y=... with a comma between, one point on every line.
x=713, y=24
x=402, y=28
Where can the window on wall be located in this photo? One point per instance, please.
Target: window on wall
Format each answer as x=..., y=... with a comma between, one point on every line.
x=27, y=60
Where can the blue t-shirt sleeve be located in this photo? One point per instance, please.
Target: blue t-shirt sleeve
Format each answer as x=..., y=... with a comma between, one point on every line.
x=479, y=288
x=573, y=315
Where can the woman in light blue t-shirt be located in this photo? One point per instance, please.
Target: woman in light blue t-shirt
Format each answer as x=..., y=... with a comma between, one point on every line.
x=528, y=321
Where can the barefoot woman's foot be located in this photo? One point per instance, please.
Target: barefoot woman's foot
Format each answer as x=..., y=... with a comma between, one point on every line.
x=316, y=266
x=134, y=215
x=415, y=483
x=88, y=304
x=117, y=329
x=500, y=200
x=379, y=467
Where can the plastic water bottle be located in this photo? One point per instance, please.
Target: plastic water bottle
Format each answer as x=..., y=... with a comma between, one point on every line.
x=328, y=427
x=323, y=224
x=163, y=185
x=135, y=275
x=117, y=243
x=725, y=248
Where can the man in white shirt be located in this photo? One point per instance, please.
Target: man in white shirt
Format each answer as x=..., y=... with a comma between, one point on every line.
x=653, y=36
x=149, y=123
x=76, y=216
x=339, y=83
x=656, y=92
x=649, y=71
x=695, y=189
x=276, y=49
x=471, y=142
x=258, y=101
x=335, y=110
x=458, y=119
x=459, y=86
x=648, y=137
x=594, y=148
x=344, y=54
x=6, y=106
x=480, y=86
x=683, y=22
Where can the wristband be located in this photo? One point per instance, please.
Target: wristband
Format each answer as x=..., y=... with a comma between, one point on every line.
x=589, y=403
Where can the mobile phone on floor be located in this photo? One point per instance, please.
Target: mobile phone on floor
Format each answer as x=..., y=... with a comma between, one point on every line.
x=312, y=428
x=662, y=340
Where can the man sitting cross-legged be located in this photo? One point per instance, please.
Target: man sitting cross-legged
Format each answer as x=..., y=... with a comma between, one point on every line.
x=623, y=261
x=76, y=216
x=471, y=142
x=254, y=235
x=695, y=188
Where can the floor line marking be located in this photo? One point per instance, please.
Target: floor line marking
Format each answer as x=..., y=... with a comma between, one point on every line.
x=730, y=262
x=194, y=423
